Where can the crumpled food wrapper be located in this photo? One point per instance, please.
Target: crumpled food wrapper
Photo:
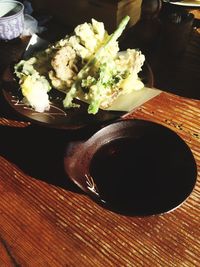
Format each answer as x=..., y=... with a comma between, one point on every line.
x=31, y=25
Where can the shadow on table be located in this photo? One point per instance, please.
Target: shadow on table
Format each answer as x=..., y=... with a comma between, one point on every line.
x=38, y=152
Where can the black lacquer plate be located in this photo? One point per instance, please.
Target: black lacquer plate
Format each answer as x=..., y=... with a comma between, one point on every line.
x=57, y=116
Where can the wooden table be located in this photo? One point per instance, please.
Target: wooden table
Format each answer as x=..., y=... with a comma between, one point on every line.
x=45, y=220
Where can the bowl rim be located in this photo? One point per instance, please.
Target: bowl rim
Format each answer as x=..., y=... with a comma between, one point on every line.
x=14, y=15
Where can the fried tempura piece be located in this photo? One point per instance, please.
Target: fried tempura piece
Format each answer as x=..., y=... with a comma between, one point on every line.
x=64, y=64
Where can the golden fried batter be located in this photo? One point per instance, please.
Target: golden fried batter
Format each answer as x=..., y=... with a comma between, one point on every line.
x=64, y=67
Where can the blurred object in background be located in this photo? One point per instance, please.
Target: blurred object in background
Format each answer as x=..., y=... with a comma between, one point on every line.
x=151, y=8
x=145, y=32
x=177, y=28
x=27, y=7
x=196, y=13
x=31, y=24
x=76, y=12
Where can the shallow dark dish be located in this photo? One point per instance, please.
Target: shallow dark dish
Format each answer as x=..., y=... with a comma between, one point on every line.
x=133, y=167
x=57, y=116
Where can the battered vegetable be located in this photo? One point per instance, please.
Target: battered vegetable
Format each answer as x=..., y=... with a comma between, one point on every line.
x=86, y=65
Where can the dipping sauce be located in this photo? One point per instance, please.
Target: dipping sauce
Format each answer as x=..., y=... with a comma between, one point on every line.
x=143, y=175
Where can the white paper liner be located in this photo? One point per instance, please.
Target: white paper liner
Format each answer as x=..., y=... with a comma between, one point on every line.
x=133, y=100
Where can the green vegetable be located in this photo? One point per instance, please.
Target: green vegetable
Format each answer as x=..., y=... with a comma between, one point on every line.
x=33, y=85
x=89, y=67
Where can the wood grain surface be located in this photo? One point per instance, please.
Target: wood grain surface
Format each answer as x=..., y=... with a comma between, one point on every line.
x=46, y=221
